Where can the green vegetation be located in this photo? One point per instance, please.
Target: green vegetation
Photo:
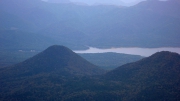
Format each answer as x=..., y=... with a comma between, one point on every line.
x=59, y=74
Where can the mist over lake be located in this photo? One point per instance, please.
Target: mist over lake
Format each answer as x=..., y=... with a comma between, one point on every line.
x=130, y=50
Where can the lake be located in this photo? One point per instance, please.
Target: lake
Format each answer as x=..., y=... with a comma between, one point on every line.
x=130, y=50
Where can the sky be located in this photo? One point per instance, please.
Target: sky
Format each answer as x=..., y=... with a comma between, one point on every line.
x=106, y=1
x=113, y=2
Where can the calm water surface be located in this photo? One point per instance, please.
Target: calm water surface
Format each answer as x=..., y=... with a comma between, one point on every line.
x=130, y=50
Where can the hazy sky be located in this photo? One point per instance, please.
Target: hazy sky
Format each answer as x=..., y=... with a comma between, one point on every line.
x=105, y=1
x=115, y=2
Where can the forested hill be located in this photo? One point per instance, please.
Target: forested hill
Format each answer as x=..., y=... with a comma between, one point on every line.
x=55, y=75
x=53, y=59
x=153, y=78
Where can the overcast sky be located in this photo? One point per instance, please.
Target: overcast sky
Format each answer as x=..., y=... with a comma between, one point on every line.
x=105, y=1
x=111, y=2
x=114, y=2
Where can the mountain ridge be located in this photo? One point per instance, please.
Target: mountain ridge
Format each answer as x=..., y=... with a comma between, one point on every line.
x=141, y=25
x=151, y=78
x=168, y=58
x=144, y=80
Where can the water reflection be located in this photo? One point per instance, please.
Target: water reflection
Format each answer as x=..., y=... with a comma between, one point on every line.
x=130, y=50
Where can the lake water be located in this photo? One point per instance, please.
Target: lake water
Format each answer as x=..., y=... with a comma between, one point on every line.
x=130, y=50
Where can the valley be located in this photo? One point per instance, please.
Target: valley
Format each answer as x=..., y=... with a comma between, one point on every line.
x=130, y=50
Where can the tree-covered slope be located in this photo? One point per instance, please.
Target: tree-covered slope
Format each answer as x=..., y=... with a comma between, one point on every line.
x=55, y=58
x=153, y=78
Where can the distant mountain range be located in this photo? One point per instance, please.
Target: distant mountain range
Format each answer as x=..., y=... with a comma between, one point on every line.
x=59, y=74
x=142, y=25
x=15, y=40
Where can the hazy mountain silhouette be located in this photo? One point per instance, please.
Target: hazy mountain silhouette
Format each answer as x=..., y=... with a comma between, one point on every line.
x=10, y=21
x=14, y=40
x=141, y=25
x=29, y=12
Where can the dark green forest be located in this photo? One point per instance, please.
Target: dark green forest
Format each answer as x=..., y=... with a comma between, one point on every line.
x=68, y=77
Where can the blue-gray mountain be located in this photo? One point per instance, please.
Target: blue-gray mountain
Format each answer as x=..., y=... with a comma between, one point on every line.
x=150, y=23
